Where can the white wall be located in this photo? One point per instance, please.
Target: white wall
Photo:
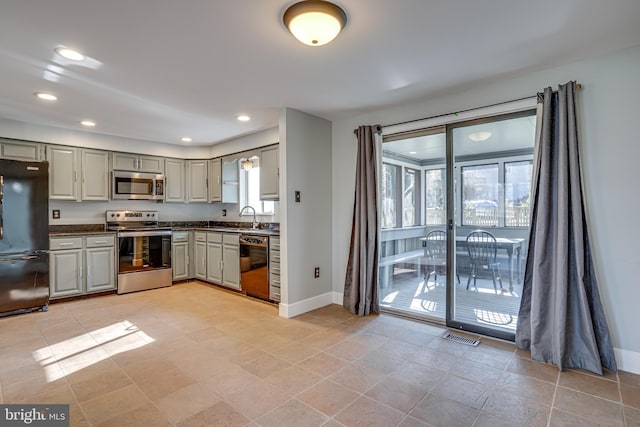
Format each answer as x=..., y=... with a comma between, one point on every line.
x=610, y=142
x=305, y=166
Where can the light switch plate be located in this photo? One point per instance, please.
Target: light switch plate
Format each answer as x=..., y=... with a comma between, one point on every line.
x=297, y=193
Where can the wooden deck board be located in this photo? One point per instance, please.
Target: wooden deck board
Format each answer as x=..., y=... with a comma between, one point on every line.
x=483, y=306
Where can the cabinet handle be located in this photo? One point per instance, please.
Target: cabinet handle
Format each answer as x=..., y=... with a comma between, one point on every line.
x=98, y=242
x=66, y=244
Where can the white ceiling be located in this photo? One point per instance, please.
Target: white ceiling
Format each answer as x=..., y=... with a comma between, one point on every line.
x=163, y=69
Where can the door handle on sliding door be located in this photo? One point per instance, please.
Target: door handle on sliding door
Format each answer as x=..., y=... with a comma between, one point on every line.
x=1, y=207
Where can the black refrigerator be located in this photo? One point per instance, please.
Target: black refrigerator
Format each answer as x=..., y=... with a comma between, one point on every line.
x=24, y=236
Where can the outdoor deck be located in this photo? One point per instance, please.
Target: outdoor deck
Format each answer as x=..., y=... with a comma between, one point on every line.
x=406, y=291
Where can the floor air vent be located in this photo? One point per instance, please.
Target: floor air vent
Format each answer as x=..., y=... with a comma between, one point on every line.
x=462, y=340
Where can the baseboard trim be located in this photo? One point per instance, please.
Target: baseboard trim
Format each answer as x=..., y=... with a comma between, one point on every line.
x=309, y=304
x=628, y=361
x=337, y=297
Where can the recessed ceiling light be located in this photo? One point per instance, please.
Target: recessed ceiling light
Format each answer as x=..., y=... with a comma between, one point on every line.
x=480, y=136
x=244, y=118
x=413, y=152
x=88, y=123
x=46, y=96
x=186, y=139
x=69, y=53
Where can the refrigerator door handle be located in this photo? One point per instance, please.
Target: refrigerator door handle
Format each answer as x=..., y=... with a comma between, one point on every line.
x=22, y=258
x=1, y=206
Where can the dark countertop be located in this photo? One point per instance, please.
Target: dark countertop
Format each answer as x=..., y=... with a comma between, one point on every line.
x=72, y=230
x=79, y=233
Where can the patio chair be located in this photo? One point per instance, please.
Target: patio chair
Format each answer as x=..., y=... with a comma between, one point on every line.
x=483, y=251
x=435, y=252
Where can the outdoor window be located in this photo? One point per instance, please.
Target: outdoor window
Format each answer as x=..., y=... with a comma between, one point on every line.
x=390, y=196
x=250, y=191
x=480, y=195
x=411, y=205
x=517, y=185
x=436, y=197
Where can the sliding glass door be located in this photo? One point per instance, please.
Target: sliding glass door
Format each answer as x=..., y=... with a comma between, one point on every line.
x=455, y=218
x=413, y=262
x=491, y=161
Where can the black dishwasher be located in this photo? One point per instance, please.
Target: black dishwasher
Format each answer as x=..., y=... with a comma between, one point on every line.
x=254, y=265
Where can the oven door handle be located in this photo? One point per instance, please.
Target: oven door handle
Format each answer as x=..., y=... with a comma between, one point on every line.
x=145, y=233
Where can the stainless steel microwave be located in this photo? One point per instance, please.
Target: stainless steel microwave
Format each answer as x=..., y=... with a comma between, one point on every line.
x=137, y=186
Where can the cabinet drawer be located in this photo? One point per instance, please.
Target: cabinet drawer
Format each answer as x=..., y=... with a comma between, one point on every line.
x=214, y=237
x=180, y=236
x=274, y=244
x=100, y=241
x=231, y=239
x=200, y=237
x=65, y=243
x=274, y=268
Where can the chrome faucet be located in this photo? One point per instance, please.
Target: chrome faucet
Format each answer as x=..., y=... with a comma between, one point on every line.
x=255, y=222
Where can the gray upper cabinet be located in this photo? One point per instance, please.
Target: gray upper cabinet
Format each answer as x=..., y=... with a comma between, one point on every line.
x=174, y=180
x=138, y=163
x=197, y=176
x=95, y=175
x=17, y=150
x=215, y=180
x=269, y=173
x=76, y=174
x=63, y=172
x=230, y=181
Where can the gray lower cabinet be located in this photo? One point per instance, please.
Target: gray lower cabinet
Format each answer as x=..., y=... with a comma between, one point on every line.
x=81, y=265
x=180, y=264
x=200, y=255
x=217, y=258
x=274, y=268
x=231, y=261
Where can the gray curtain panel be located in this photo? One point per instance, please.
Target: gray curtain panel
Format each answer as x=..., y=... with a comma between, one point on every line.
x=561, y=320
x=361, y=283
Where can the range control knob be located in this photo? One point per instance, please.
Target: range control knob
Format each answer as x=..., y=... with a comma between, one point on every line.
x=112, y=215
x=153, y=214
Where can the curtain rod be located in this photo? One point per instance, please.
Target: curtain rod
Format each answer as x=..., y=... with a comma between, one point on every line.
x=578, y=87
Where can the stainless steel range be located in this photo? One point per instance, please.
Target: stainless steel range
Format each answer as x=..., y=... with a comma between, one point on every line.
x=144, y=250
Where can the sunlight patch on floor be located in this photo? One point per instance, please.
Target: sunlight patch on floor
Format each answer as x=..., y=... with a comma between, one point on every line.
x=90, y=348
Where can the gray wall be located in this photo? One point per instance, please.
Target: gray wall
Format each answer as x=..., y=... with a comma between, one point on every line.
x=305, y=166
x=610, y=143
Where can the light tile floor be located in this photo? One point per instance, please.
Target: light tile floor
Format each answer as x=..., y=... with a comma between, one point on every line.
x=195, y=355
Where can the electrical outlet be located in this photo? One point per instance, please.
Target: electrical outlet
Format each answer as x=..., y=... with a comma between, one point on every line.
x=224, y=212
x=55, y=214
x=316, y=272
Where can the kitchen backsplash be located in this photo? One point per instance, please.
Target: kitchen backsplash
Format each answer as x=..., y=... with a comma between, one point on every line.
x=94, y=212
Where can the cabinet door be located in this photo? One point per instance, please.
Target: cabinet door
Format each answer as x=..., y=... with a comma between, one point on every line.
x=197, y=180
x=151, y=164
x=174, y=181
x=214, y=262
x=269, y=174
x=95, y=175
x=25, y=151
x=230, y=181
x=180, y=260
x=231, y=266
x=100, y=269
x=215, y=180
x=65, y=273
x=201, y=260
x=63, y=172
x=125, y=162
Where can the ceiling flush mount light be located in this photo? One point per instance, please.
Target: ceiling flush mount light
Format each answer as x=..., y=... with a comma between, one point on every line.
x=88, y=123
x=69, y=53
x=244, y=118
x=480, y=136
x=186, y=139
x=315, y=22
x=46, y=96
